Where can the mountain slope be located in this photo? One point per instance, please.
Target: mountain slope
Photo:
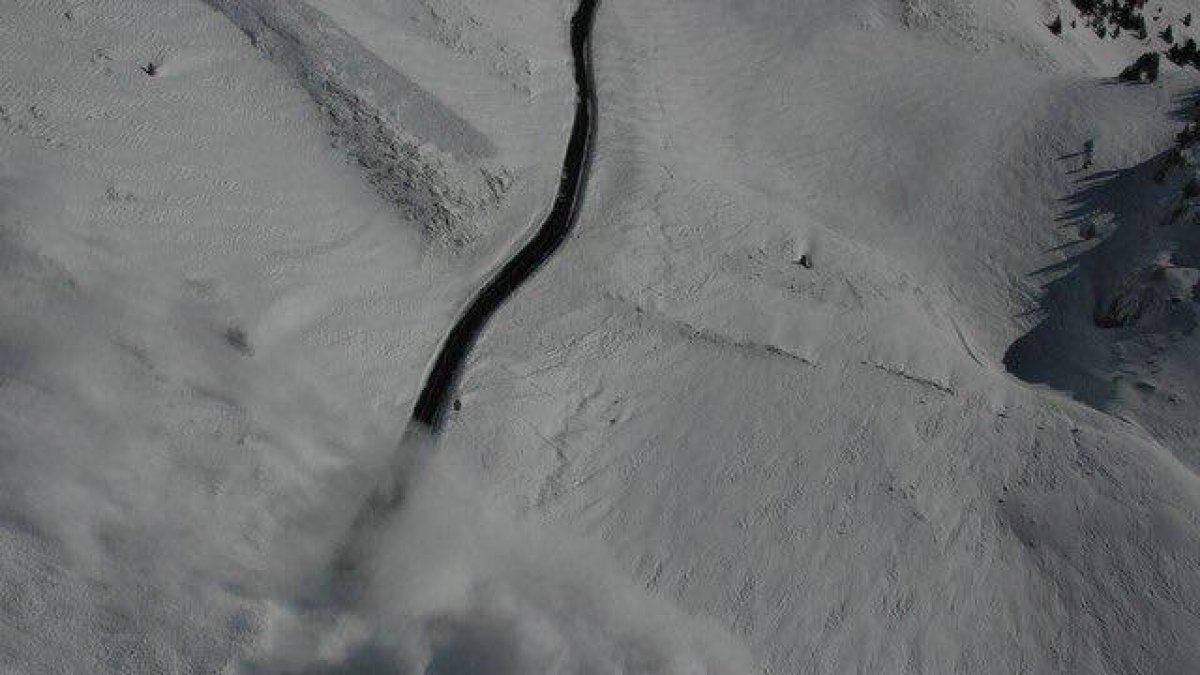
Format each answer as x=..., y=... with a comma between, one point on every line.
x=769, y=371
x=872, y=351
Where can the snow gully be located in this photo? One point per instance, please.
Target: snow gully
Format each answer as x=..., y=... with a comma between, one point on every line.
x=442, y=377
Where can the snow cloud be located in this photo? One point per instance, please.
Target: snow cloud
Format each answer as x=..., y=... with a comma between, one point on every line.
x=454, y=585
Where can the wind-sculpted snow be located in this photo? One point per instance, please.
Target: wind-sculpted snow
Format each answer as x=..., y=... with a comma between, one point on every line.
x=453, y=25
x=417, y=153
x=319, y=53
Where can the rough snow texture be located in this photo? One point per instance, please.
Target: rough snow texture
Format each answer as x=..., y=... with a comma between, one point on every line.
x=1120, y=324
x=417, y=153
x=456, y=27
x=874, y=349
x=836, y=462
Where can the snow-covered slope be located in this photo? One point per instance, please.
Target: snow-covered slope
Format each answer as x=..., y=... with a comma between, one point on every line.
x=212, y=327
x=425, y=157
x=837, y=462
x=824, y=382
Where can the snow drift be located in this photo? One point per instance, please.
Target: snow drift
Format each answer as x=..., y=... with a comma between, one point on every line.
x=417, y=153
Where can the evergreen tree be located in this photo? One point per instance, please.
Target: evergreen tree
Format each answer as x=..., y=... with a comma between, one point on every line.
x=1144, y=70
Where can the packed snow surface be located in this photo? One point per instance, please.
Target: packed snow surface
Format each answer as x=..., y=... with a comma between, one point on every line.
x=874, y=349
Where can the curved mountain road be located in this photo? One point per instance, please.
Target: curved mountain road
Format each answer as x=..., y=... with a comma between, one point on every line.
x=443, y=376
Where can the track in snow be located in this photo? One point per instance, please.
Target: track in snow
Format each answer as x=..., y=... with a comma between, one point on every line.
x=439, y=383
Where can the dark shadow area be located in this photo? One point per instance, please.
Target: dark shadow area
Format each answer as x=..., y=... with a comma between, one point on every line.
x=1115, y=296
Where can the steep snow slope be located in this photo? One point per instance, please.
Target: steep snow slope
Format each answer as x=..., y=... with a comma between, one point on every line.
x=835, y=462
x=194, y=283
x=819, y=369
x=424, y=156
x=213, y=327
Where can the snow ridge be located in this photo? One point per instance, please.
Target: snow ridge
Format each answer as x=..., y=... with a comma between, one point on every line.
x=418, y=154
x=463, y=33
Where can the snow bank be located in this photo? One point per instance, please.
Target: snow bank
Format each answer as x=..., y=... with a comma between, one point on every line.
x=418, y=153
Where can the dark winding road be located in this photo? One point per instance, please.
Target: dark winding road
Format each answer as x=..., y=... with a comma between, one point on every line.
x=442, y=378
